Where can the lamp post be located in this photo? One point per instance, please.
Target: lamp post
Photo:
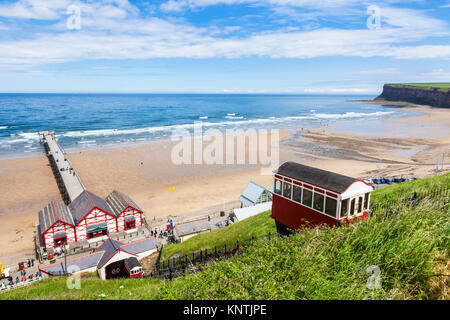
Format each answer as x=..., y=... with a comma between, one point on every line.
x=65, y=258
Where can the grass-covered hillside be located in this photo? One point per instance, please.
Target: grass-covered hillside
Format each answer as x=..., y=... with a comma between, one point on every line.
x=410, y=250
x=255, y=226
x=405, y=190
x=425, y=85
x=332, y=263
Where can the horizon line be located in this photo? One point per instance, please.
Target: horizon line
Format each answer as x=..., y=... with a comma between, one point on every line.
x=204, y=93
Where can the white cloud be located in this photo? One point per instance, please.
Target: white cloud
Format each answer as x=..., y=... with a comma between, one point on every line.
x=56, y=9
x=179, y=5
x=341, y=90
x=437, y=75
x=113, y=29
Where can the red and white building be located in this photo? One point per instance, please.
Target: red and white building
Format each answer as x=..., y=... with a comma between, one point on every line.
x=92, y=216
x=307, y=196
x=56, y=225
x=88, y=217
x=128, y=214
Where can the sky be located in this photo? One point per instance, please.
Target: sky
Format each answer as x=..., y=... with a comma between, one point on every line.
x=221, y=46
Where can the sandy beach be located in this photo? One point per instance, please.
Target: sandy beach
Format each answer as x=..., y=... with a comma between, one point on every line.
x=412, y=146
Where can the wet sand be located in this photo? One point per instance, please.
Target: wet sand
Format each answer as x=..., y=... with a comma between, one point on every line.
x=399, y=147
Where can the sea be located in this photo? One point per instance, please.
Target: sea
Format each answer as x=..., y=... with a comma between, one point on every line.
x=94, y=120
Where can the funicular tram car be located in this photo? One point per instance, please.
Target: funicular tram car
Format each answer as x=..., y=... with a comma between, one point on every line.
x=307, y=196
x=133, y=268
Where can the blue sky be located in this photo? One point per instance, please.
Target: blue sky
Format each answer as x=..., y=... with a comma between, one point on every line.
x=221, y=46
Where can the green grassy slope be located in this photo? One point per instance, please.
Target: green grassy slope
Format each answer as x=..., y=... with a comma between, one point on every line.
x=405, y=190
x=91, y=288
x=255, y=226
x=330, y=263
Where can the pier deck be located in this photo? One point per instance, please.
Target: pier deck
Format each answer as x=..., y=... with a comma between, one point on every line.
x=67, y=178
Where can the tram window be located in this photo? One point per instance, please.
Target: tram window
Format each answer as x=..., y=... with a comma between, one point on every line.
x=278, y=184
x=318, y=201
x=297, y=193
x=307, y=197
x=344, y=208
x=366, y=201
x=330, y=206
x=287, y=187
x=352, y=207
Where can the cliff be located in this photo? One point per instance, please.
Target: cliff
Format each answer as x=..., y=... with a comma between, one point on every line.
x=436, y=95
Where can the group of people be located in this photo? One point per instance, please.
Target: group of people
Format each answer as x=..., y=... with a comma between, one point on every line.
x=159, y=234
x=30, y=263
x=23, y=277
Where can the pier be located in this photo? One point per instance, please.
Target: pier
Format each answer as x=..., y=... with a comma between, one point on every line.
x=69, y=183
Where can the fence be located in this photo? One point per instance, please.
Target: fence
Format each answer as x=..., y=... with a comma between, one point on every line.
x=440, y=196
x=197, y=260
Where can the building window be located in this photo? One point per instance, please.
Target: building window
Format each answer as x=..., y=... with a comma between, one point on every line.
x=130, y=224
x=278, y=184
x=307, y=197
x=366, y=201
x=330, y=206
x=60, y=241
x=287, y=190
x=344, y=208
x=352, y=207
x=297, y=193
x=360, y=200
x=97, y=234
x=318, y=201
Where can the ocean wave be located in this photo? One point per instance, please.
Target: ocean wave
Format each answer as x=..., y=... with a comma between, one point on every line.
x=233, y=121
x=351, y=115
x=3, y=127
x=29, y=135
